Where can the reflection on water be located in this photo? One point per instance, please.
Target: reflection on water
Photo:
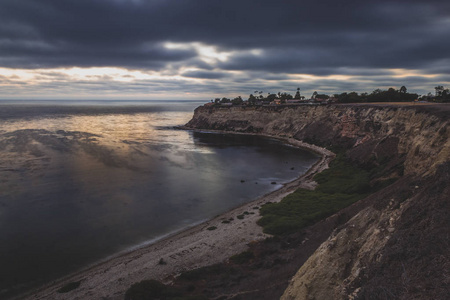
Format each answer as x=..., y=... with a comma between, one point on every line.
x=77, y=185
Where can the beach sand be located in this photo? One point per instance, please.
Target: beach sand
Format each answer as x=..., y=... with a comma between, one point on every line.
x=190, y=249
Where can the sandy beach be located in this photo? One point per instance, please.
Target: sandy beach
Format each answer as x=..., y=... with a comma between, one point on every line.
x=205, y=244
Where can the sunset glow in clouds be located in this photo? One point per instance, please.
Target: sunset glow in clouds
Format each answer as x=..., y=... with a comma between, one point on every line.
x=103, y=49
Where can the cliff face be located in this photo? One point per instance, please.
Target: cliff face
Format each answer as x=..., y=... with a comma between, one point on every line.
x=396, y=247
x=373, y=134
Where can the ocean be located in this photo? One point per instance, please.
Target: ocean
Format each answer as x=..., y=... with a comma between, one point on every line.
x=81, y=181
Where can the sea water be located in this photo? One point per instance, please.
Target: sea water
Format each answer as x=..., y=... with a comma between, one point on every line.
x=83, y=180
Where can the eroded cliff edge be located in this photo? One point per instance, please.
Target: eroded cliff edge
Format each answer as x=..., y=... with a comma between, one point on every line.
x=396, y=245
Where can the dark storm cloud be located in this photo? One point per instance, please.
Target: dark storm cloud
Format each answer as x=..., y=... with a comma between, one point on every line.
x=205, y=74
x=328, y=37
x=45, y=34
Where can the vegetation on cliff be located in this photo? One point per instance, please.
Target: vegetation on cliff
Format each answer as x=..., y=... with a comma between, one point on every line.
x=396, y=247
x=339, y=186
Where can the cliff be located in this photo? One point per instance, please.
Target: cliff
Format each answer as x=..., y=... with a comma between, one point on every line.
x=395, y=244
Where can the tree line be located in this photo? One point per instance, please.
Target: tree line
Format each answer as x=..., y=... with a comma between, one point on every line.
x=390, y=95
x=393, y=95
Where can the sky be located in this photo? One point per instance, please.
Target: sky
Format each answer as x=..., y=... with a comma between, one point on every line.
x=203, y=49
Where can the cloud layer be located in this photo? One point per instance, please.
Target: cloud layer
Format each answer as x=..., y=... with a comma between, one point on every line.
x=235, y=46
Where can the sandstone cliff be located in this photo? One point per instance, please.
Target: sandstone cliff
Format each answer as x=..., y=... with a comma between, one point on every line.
x=396, y=246
x=413, y=135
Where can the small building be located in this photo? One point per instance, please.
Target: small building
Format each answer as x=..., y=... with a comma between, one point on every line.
x=275, y=102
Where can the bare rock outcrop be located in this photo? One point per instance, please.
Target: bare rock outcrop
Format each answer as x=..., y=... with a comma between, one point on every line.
x=398, y=251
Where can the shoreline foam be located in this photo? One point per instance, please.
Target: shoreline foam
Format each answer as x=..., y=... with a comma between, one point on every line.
x=188, y=249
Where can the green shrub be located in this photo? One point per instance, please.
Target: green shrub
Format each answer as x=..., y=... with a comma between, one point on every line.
x=212, y=228
x=339, y=186
x=343, y=177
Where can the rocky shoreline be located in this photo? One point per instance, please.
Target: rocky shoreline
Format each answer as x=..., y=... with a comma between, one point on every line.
x=195, y=247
